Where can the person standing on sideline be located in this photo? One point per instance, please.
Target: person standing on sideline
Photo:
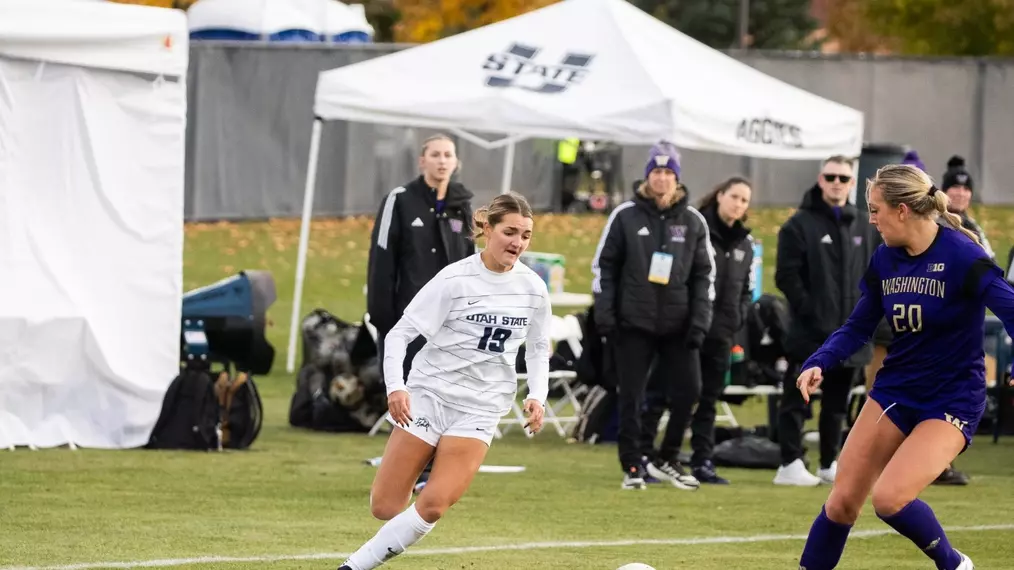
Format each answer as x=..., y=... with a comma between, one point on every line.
x=822, y=254
x=933, y=282
x=654, y=283
x=474, y=314
x=725, y=210
x=420, y=228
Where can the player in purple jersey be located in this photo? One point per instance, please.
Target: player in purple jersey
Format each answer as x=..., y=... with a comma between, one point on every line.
x=933, y=282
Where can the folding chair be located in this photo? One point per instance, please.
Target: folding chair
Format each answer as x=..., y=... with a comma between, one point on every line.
x=550, y=417
x=568, y=329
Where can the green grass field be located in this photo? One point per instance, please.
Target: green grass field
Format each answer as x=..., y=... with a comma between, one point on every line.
x=299, y=499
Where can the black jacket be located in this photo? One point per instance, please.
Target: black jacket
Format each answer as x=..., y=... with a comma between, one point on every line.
x=625, y=299
x=411, y=243
x=734, y=269
x=820, y=262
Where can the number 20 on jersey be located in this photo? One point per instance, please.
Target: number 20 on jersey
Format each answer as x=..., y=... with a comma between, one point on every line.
x=907, y=318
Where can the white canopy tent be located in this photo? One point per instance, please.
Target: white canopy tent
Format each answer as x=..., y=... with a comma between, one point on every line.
x=92, y=123
x=592, y=69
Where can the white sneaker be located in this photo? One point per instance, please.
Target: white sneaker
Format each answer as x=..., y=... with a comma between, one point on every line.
x=795, y=473
x=966, y=562
x=827, y=475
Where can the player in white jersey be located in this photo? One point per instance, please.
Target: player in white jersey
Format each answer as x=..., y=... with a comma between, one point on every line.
x=474, y=314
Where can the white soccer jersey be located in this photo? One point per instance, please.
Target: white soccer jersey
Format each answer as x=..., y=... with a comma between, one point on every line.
x=474, y=321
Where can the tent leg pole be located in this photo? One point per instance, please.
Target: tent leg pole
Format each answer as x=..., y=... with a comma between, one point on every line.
x=508, y=168
x=304, y=241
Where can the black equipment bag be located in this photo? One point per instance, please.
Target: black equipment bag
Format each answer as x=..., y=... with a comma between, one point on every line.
x=597, y=409
x=190, y=414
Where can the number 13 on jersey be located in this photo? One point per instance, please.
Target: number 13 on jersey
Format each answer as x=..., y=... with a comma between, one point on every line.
x=493, y=339
x=907, y=318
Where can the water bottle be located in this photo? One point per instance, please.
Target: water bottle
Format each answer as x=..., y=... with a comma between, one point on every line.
x=736, y=357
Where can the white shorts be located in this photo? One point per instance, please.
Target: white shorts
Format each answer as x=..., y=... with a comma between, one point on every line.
x=432, y=419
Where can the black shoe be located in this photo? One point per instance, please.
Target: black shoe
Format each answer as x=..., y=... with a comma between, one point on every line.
x=344, y=568
x=705, y=473
x=951, y=476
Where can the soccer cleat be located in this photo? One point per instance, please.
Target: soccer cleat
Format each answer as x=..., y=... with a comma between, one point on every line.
x=966, y=562
x=795, y=474
x=675, y=473
x=633, y=479
x=344, y=568
x=705, y=473
x=827, y=475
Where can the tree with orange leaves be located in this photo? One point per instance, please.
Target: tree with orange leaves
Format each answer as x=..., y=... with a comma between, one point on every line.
x=427, y=20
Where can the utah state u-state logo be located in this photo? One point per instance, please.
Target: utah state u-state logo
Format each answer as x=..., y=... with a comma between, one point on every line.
x=517, y=67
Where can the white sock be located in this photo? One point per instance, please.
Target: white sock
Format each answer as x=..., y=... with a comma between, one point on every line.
x=391, y=540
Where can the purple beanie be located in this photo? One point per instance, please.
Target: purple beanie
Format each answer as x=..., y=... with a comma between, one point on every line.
x=912, y=159
x=663, y=155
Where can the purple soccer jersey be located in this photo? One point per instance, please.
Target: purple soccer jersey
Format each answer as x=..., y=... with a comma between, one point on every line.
x=935, y=303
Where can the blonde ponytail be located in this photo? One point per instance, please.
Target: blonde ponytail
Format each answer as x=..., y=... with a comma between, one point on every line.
x=952, y=220
x=479, y=218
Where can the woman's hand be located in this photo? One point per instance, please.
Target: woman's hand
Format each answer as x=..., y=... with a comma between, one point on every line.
x=399, y=408
x=534, y=411
x=808, y=382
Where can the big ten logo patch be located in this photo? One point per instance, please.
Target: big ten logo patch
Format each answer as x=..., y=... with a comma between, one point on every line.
x=521, y=66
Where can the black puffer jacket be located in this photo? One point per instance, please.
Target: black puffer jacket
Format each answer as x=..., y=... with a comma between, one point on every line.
x=733, y=277
x=821, y=259
x=411, y=243
x=625, y=298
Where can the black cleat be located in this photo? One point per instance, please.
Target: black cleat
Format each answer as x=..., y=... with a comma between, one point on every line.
x=344, y=568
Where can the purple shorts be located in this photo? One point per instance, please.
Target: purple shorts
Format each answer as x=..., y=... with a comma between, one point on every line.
x=963, y=418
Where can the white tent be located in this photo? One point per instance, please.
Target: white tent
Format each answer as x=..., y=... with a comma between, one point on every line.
x=92, y=123
x=593, y=69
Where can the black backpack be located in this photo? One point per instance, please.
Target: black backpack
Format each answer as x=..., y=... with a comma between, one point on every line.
x=190, y=414
x=201, y=414
x=597, y=411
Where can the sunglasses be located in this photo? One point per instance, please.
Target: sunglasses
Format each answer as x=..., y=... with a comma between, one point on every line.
x=843, y=178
